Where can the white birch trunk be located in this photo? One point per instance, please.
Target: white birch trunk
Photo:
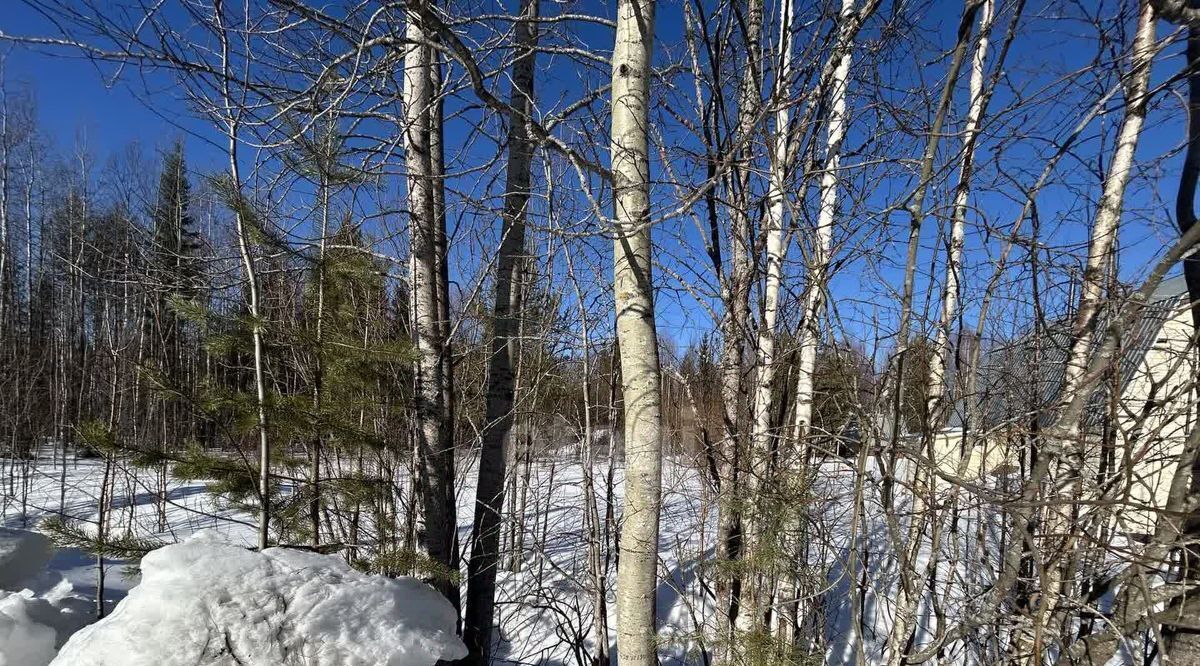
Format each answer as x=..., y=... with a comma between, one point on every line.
x=232, y=123
x=809, y=334
x=910, y=592
x=950, y=290
x=436, y=525
x=906, y=546
x=1062, y=440
x=735, y=295
x=757, y=597
x=4, y=186
x=633, y=291
x=810, y=331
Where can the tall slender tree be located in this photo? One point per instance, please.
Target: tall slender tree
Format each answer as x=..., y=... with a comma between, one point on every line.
x=636, y=331
x=1062, y=447
x=757, y=598
x=435, y=454
x=735, y=296
x=506, y=308
x=952, y=286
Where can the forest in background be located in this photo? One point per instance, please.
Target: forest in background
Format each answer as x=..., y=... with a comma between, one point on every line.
x=453, y=245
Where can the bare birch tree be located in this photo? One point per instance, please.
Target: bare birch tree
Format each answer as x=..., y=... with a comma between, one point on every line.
x=240, y=210
x=1063, y=443
x=434, y=456
x=636, y=331
x=758, y=598
x=952, y=287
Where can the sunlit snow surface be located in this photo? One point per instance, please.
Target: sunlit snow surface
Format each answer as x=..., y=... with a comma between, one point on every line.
x=39, y=609
x=544, y=610
x=207, y=602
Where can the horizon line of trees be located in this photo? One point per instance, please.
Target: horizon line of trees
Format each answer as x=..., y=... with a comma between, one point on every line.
x=332, y=354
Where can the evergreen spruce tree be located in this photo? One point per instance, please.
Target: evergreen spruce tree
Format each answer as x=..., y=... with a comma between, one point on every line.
x=176, y=240
x=359, y=353
x=174, y=272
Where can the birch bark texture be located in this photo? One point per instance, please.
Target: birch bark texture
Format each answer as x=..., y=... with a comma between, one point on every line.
x=958, y=221
x=435, y=458
x=636, y=332
x=915, y=207
x=757, y=598
x=822, y=248
x=1062, y=443
x=735, y=294
x=1108, y=213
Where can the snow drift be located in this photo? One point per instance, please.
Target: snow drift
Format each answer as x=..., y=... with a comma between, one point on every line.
x=33, y=625
x=24, y=640
x=205, y=602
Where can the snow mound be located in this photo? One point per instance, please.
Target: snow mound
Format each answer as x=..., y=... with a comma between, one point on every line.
x=23, y=555
x=33, y=626
x=202, y=602
x=24, y=640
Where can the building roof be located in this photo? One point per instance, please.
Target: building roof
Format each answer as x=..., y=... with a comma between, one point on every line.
x=1022, y=380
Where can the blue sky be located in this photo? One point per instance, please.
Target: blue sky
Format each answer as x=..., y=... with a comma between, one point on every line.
x=76, y=100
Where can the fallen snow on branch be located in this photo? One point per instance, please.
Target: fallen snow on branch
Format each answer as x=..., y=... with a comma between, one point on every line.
x=207, y=602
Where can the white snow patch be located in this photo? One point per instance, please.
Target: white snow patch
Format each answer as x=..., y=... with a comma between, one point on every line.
x=24, y=640
x=33, y=626
x=206, y=602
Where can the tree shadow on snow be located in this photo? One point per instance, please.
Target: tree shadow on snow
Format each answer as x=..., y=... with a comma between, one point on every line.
x=150, y=497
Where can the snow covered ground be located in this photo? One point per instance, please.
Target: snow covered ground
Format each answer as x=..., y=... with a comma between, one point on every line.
x=74, y=493
x=39, y=610
x=207, y=602
x=544, y=609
